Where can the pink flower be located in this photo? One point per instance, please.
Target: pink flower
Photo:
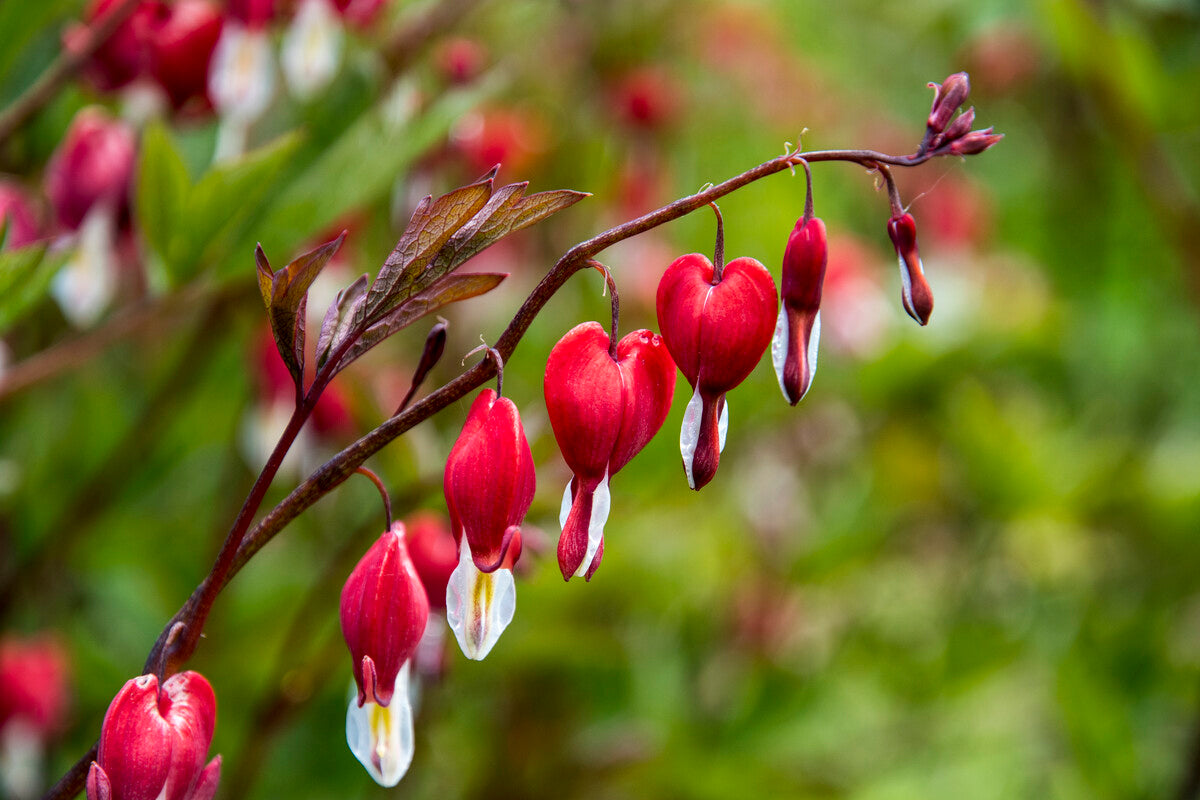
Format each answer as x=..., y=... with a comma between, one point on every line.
x=434, y=554
x=798, y=330
x=604, y=410
x=33, y=684
x=384, y=612
x=716, y=331
x=17, y=212
x=153, y=744
x=126, y=55
x=183, y=49
x=489, y=480
x=915, y=292
x=92, y=165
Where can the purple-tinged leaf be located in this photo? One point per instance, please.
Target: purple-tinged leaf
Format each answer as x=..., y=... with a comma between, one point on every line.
x=265, y=275
x=289, y=289
x=431, y=226
x=339, y=318
x=508, y=210
x=449, y=289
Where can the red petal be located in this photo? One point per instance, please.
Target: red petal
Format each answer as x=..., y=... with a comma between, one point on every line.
x=584, y=399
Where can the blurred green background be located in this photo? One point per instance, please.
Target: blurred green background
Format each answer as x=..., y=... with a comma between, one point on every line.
x=964, y=566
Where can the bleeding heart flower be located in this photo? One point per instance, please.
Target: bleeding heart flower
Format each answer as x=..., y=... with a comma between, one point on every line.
x=33, y=684
x=126, y=54
x=384, y=613
x=490, y=479
x=716, y=330
x=153, y=743
x=183, y=49
x=798, y=330
x=434, y=554
x=92, y=166
x=312, y=48
x=915, y=292
x=604, y=410
x=489, y=485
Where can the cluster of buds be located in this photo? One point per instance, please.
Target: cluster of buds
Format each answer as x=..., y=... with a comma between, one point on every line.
x=955, y=137
x=154, y=741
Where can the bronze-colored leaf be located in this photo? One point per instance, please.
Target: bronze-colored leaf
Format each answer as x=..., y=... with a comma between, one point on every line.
x=431, y=226
x=265, y=276
x=340, y=317
x=449, y=289
x=289, y=290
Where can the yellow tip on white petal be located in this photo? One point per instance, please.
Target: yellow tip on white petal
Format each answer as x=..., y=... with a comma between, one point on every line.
x=381, y=737
x=479, y=605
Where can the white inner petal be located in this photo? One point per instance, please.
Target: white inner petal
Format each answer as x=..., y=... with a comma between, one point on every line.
x=689, y=434
x=380, y=737
x=601, y=502
x=241, y=78
x=86, y=285
x=312, y=48
x=565, y=508
x=479, y=605
x=779, y=348
x=813, y=339
x=906, y=285
x=723, y=425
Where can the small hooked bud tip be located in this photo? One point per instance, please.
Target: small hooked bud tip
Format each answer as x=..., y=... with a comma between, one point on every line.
x=950, y=94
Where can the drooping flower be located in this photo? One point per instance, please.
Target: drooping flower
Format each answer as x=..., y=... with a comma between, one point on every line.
x=384, y=612
x=716, y=330
x=126, y=54
x=183, y=49
x=798, y=329
x=603, y=410
x=92, y=166
x=915, y=292
x=489, y=485
x=435, y=555
x=241, y=75
x=33, y=684
x=153, y=744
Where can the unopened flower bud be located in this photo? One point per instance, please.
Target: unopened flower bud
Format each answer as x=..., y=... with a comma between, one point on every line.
x=153, y=744
x=915, y=291
x=93, y=165
x=798, y=329
x=960, y=126
x=951, y=94
x=975, y=142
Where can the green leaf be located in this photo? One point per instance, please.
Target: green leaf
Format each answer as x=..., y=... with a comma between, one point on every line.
x=163, y=186
x=449, y=289
x=289, y=294
x=222, y=203
x=429, y=229
x=339, y=318
x=25, y=276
